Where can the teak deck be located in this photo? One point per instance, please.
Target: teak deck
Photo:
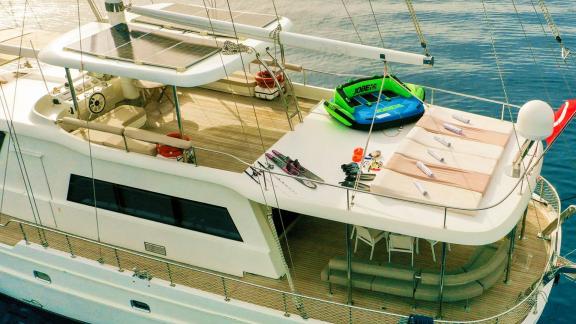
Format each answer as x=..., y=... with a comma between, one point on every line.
x=238, y=125
x=312, y=243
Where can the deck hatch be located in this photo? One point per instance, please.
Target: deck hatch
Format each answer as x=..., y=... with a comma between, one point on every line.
x=141, y=45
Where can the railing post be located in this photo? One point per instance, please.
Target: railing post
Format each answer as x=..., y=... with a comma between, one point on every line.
x=512, y=237
x=170, y=274
x=72, y=255
x=432, y=97
x=348, y=265
x=442, y=271
x=118, y=260
x=445, y=216
x=523, y=228
x=502, y=112
x=24, y=234
x=285, y=305
x=226, y=298
x=348, y=199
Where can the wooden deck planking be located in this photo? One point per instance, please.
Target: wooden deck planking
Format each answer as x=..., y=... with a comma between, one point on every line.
x=242, y=126
x=312, y=243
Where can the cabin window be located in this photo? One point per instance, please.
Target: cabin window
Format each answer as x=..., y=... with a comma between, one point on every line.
x=140, y=306
x=42, y=276
x=2, y=137
x=193, y=215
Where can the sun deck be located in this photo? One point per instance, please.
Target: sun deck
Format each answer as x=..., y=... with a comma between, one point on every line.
x=312, y=243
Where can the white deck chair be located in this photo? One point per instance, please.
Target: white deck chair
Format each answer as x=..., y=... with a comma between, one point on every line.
x=432, y=244
x=369, y=236
x=401, y=243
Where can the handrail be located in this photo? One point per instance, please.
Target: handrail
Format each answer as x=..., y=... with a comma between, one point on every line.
x=179, y=264
x=527, y=301
x=520, y=180
x=460, y=94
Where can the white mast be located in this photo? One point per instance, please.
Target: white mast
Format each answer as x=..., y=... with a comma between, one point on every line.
x=288, y=38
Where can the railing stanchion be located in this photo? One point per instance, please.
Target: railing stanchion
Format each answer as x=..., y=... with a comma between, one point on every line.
x=512, y=237
x=347, y=199
x=432, y=97
x=442, y=271
x=170, y=275
x=285, y=305
x=72, y=255
x=445, y=216
x=226, y=298
x=118, y=260
x=349, y=264
x=24, y=234
x=523, y=228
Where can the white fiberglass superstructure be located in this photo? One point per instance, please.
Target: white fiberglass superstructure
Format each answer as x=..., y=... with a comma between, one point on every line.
x=85, y=174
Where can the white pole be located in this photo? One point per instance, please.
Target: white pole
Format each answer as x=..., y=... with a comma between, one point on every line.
x=288, y=38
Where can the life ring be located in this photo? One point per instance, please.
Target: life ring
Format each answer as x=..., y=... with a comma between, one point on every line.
x=265, y=79
x=171, y=152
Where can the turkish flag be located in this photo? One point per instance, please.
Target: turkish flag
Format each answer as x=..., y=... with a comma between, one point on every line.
x=562, y=117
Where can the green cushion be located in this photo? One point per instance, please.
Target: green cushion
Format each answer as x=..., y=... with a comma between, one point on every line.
x=340, y=278
x=393, y=287
x=374, y=268
x=450, y=294
x=489, y=281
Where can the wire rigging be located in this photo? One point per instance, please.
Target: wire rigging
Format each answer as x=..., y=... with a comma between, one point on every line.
x=352, y=21
x=417, y=27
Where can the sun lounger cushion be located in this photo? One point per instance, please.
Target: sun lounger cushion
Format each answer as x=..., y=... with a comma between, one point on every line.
x=443, y=174
x=477, y=121
x=461, y=161
x=124, y=115
x=395, y=184
x=436, y=125
x=458, y=145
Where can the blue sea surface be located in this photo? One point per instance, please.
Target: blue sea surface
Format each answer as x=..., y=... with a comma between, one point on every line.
x=467, y=43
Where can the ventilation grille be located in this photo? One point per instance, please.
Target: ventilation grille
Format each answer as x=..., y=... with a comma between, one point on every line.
x=154, y=248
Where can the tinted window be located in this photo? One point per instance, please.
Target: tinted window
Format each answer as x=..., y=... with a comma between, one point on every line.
x=154, y=206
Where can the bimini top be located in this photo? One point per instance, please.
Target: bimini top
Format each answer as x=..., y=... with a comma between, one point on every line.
x=145, y=49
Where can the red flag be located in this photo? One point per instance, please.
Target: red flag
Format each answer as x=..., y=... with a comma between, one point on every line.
x=562, y=117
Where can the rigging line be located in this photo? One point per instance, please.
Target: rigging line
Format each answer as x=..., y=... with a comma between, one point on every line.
x=234, y=98
x=500, y=74
x=416, y=23
x=531, y=51
x=566, y=83
x=352, y=21
x=245, y=75
x=88, y=131
x=276, y=44
x=357, y=181
x=22, y=166
x=376, y=22
x=12, y=130
x=5, y=175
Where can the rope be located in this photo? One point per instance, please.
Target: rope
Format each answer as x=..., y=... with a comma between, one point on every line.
x=566, y=83
x=94, y=196
x=417, y=27
x=352, y=21
x=224, y=68
x=531, y=49
x=357, y=181
x=376, y=23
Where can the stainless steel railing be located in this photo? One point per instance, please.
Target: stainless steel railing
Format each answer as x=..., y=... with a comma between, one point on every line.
x=149, y=267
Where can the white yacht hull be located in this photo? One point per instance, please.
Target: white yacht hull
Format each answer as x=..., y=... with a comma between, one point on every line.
x=87, y=291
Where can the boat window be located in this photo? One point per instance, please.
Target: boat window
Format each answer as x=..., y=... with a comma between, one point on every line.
x=193, y=215
x=207, y=218
x=2, y=137
x=140, y=306
x=42, y=276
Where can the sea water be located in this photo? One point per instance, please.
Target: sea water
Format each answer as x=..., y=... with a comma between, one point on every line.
x=507, y=54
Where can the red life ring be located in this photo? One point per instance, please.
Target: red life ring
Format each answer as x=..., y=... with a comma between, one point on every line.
x=171, y=152
x=265, y=80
